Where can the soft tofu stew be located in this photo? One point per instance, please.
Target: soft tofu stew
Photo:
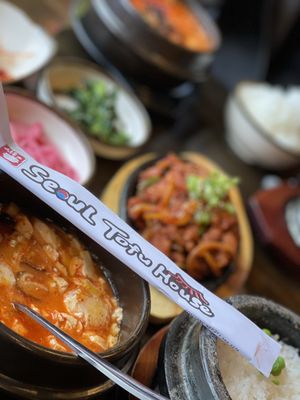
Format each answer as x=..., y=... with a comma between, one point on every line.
x=175, y=20
x=49, y=270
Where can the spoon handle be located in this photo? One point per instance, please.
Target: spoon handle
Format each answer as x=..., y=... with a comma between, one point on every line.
x=125, y=381
x=4, y=121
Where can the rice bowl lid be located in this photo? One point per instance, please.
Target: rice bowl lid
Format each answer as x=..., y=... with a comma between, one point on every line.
x=26, y=47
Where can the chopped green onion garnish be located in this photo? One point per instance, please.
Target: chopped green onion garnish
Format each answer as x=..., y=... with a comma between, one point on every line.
x=212, y=191
x=96, y=112
x=202, y=217
x=143, y=184
x=267, y=331
x=193, y=183
x=229, y=207
x=278, y=366
x=276, y=381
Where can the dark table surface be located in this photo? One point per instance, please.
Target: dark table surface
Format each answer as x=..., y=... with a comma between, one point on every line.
x=199, y=127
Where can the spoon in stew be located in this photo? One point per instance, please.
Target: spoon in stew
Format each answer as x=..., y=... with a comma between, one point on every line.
x=125, y=381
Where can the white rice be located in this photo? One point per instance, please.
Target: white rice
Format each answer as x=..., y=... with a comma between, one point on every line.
x=276, y=111
x=244, y=382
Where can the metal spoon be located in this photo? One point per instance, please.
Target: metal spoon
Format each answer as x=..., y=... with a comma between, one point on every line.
x=125, y=381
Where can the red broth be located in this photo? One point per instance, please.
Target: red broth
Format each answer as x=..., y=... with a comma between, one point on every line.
x=176, y=21
x=50, y=271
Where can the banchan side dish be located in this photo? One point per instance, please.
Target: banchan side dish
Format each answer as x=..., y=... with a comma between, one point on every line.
x=32, y=371
x=186, y=211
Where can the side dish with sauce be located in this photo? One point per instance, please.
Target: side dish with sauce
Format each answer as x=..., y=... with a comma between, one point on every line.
x=185, y=211
x=49, y=270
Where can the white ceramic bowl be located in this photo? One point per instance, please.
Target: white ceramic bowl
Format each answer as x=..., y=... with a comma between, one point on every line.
x=71, y=142
x=24, y=46
x=67, y=73
x=248, y=139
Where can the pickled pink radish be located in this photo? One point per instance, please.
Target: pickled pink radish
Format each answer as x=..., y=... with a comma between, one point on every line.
x=32, y=139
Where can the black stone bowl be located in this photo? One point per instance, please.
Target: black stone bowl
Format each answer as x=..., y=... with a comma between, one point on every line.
x=188, y=363
x=32, y=371
x=129, y=190
x=122, y=36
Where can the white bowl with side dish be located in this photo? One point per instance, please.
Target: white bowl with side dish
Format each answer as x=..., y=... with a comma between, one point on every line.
x=71, y=143
x=66, y=74
x=250, y=141
x=24, y=46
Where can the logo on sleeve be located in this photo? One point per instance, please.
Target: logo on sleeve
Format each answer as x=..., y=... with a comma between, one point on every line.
x=11, y=156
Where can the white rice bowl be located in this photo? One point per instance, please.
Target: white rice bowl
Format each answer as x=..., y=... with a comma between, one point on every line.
x=275, y=110
x=244, y=382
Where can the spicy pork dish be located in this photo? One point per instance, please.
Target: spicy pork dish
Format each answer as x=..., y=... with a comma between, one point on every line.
x=185, y=211
x=49, y=270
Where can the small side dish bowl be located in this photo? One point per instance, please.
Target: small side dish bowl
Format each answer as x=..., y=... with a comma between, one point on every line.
x=24, y=46
x=188, y=346
x=250, y=141
x=65, y=75
x=66, y=137
x=33, y=371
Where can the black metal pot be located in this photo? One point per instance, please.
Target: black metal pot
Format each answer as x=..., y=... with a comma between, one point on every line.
x=188, y=363
x=139, y=51
x=35, y=372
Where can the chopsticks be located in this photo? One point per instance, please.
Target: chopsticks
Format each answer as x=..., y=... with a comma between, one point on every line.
x=125, y=381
